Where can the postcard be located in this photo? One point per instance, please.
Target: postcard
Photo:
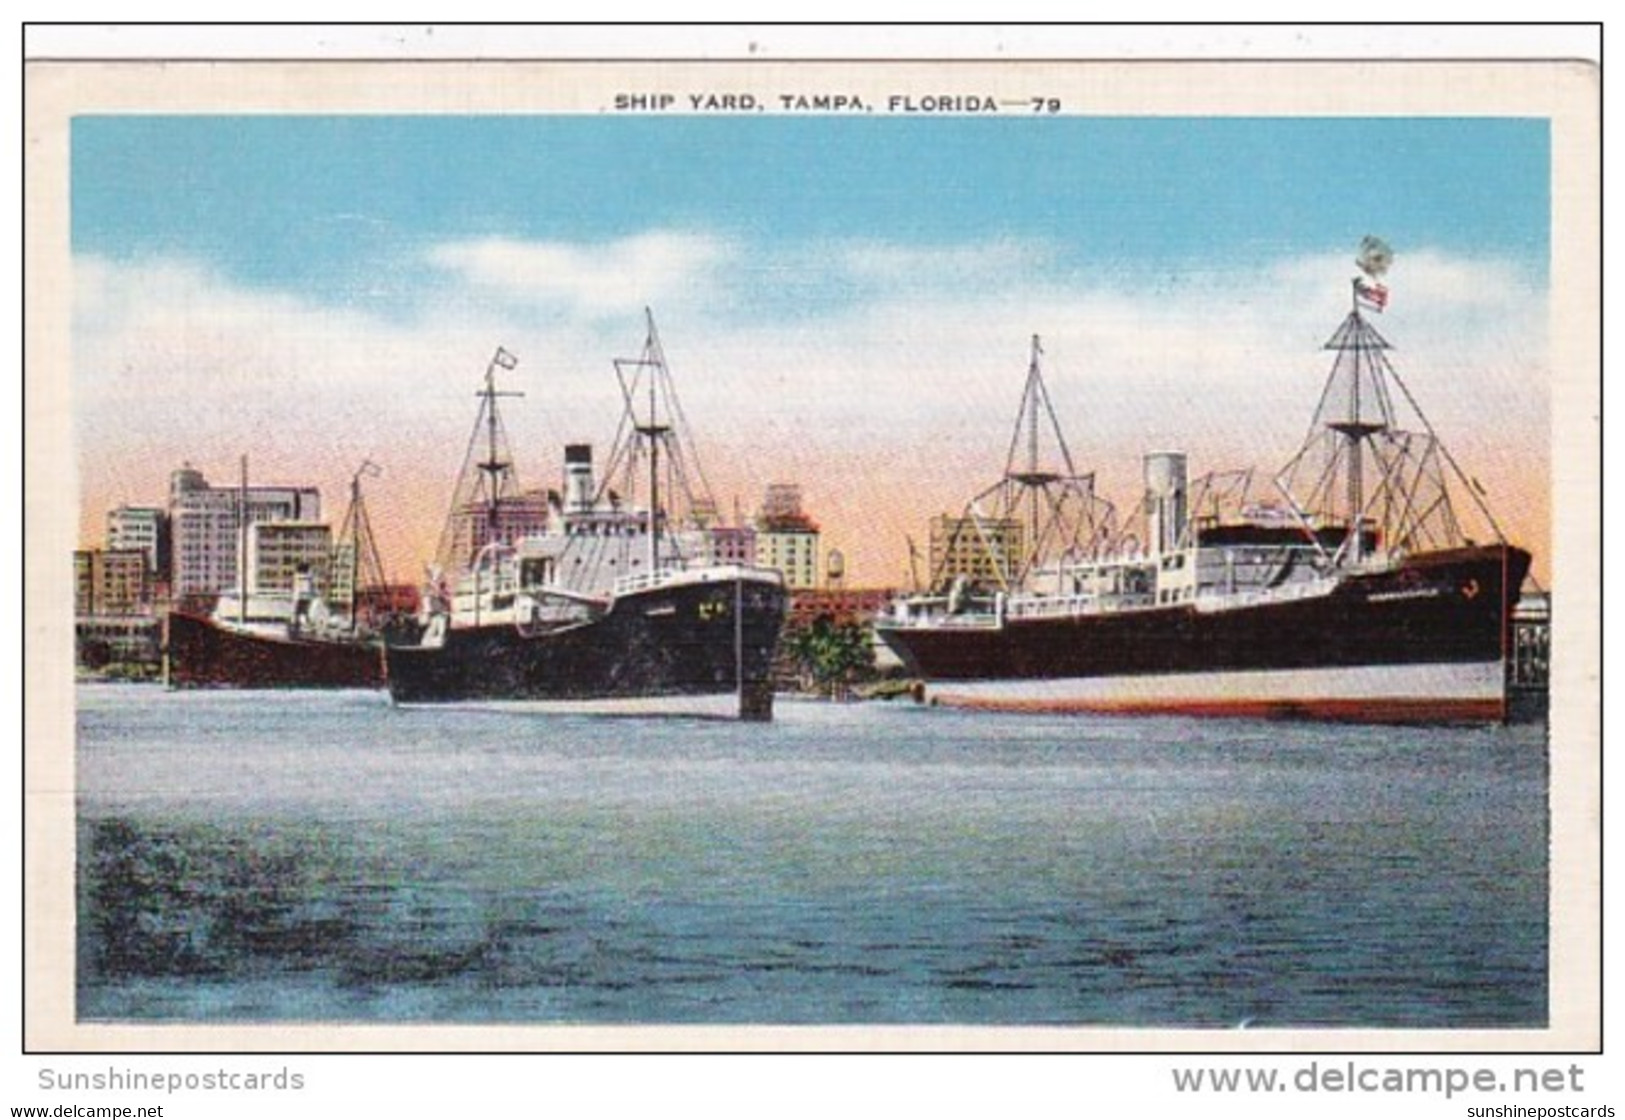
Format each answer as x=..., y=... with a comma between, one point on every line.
x=775, y=554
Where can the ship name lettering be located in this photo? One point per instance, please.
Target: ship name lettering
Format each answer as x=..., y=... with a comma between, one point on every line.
x=1391, y=596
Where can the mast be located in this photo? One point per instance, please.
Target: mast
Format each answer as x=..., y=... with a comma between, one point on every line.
x=487, y=476
x=1354, y=423
x=1052, y=507
x=654, y=432
x=1382, y=477
x=1358, y=426
x=355, y=545
x=1033, y=479
x=242, y=546
x=495, y=467
x=357, y=529
x=1035, y=395
x=652, y=415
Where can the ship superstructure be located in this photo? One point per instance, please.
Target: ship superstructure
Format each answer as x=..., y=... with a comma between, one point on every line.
x=1347, y=589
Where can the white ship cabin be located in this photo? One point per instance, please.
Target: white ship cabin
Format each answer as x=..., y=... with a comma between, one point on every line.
x=278, y=613
x=1194, y=563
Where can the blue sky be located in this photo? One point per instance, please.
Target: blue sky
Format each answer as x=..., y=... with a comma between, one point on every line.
x=300, y=201
x=847, y=301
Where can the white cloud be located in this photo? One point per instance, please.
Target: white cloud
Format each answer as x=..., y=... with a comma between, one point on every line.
x=921, y=332
x=592, y=279
x=1002, y=260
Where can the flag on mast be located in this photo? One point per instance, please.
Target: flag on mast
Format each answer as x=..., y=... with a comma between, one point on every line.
x=1375, y=259
x=505, y=359
x=1372, y=295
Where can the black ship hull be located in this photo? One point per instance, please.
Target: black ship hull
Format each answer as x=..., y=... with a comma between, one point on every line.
x=200, y=653
x=668, y=643
x=1425, y=641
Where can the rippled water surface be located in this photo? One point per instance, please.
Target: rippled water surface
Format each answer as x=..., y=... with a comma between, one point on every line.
x=325, y=857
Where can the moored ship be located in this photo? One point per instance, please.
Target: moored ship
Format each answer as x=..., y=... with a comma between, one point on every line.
x=1351, y=592
x=288, y=637
x=611, y=606
x=202, y=652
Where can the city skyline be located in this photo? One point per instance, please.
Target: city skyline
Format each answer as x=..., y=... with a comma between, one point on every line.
x=846, y=303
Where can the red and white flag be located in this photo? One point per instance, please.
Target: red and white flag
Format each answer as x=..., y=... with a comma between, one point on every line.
x=1372, y=295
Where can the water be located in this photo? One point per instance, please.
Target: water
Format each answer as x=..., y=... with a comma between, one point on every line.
x=324, y=857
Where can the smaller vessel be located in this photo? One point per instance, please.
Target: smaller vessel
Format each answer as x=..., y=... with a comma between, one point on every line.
x=294, y=637
x=612, y=606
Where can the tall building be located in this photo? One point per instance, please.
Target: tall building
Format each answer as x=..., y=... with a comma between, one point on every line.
x=279, y=551
x=983, y=550
x=786, y=538
x=204, y=527
x=109, y=582
x=112, y=606
x=145, y=528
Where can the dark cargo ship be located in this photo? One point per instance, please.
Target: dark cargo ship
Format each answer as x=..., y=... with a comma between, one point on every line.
x=698, y=642
x=610, y=607
x=1352, y=593
x=287, y=638
x=201, y=652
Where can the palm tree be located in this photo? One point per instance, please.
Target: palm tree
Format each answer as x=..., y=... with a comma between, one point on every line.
x=830, y=657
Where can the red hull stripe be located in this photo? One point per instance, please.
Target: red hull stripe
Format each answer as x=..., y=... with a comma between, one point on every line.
x=1369, y=710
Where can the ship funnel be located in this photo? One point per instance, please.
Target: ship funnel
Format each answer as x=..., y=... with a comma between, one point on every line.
x=578, y=484
x=1165, y=497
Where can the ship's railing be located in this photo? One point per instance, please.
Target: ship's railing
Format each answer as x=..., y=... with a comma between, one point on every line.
x=979, y=620
x=934, y=613
x=1286, y=593
x=1066, y=606
x=938, y=611
x=992, y=613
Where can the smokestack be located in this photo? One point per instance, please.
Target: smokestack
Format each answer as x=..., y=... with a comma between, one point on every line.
x=1165, y=500
x=578, y=484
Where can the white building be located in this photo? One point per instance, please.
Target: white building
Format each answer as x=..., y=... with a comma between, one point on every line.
x=786, y=538
x=279, y=551
x=204, y=526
